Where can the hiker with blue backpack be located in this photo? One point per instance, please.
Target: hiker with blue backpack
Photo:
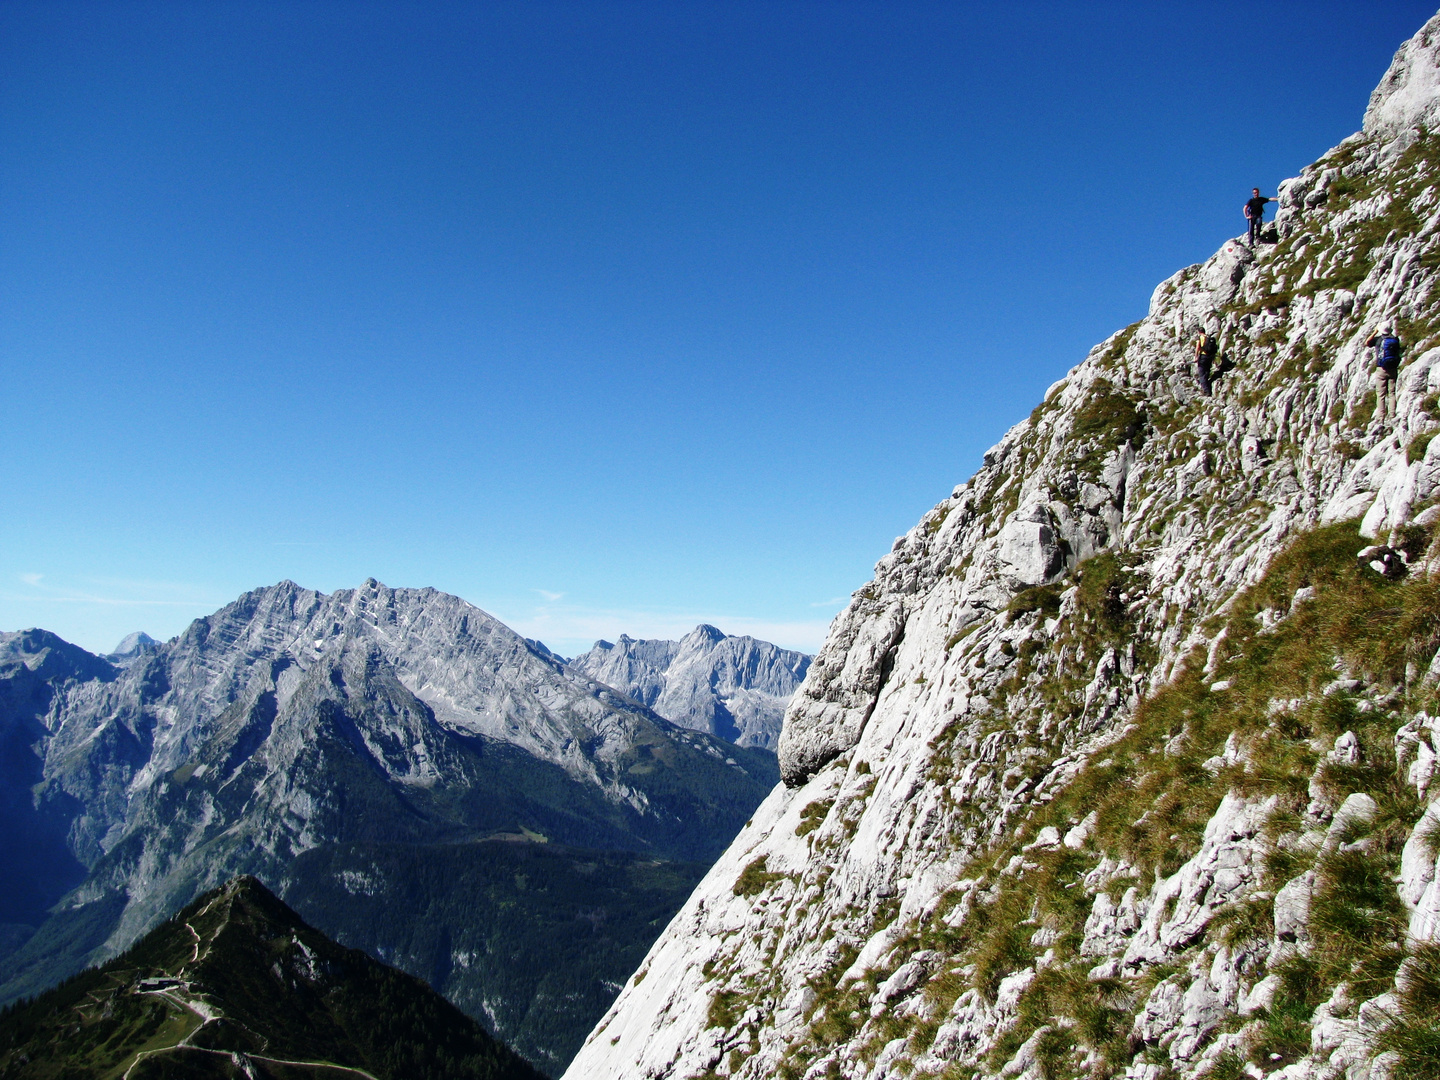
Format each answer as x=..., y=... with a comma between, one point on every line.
x=1387, y=367
x=1255, y=214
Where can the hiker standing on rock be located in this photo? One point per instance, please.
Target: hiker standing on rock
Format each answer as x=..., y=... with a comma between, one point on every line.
x=1255, y=213
x=1387, y=367
x=1207, y=347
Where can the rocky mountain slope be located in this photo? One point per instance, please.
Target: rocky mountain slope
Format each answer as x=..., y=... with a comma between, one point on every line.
x=236, y=985
x=733, y=687
x=1122, y=764
x=292, y=721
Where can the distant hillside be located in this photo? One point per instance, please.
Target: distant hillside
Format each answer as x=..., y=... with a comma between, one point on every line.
x=236, y=985
x=534, y=940
x=733, y=687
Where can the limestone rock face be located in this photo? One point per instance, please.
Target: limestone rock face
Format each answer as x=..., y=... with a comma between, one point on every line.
x=1409, y=94
x=836, y=707
x=859, y=927
x=733, y=687
x=1030, y=552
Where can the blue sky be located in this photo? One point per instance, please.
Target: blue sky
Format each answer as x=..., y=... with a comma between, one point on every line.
x=604, y=316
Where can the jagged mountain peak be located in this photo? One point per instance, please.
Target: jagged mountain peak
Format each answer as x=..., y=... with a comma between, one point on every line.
x=448, y=651
x=1087, y=779
x=472, y=673
x=734, y=687
x=705, y=632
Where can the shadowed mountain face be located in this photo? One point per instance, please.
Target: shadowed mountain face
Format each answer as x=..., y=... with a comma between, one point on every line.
x=37, y=671
x=236, y=985
x=534, y=939
x=292, y=722
x=734, y=687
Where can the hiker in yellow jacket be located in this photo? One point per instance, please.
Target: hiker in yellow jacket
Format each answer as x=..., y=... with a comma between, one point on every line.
x=1207, y=348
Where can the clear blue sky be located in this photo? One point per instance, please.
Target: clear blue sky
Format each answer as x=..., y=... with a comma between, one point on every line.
x=605, y=316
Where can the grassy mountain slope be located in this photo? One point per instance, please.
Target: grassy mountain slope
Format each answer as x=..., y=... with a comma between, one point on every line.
x=237, y=985
x=1342, y=663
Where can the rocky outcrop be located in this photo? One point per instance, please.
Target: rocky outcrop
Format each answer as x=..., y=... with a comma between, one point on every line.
x=1105, y=772
x=1408, y=97
x=733, y=687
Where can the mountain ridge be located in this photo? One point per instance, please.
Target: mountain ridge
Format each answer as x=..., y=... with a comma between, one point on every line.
x=291, y=720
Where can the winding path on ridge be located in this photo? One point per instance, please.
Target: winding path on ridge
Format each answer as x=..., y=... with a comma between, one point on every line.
x=208, y=1013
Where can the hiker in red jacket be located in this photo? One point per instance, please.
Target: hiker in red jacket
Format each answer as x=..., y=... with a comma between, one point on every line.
x=1255, y=214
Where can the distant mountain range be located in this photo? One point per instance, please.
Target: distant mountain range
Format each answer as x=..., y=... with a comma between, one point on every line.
x=733, y=687
x=416, y=777
x=237, y=985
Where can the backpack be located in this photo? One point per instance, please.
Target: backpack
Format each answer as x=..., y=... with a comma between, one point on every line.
x=1209, y=346
x=1389, y=351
